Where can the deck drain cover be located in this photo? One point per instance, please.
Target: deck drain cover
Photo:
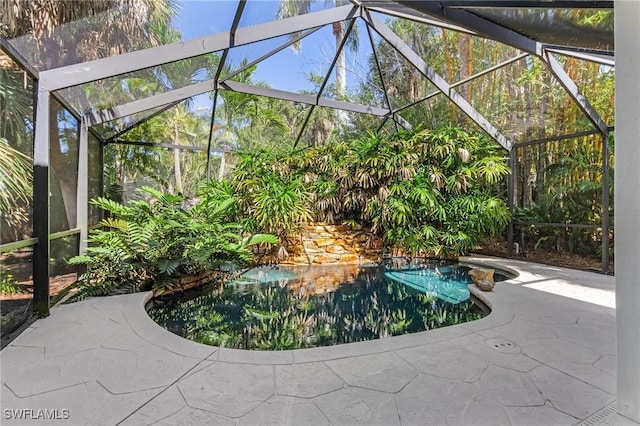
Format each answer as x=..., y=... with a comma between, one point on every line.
x=601, y=417
x=502, y=345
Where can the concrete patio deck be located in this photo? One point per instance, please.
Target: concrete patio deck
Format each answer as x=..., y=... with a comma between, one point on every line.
x=538, y=359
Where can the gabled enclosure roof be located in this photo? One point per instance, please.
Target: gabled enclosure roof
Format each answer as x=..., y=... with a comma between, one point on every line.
x=243, y=34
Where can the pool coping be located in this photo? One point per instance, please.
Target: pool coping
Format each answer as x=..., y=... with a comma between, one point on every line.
x=540, y=356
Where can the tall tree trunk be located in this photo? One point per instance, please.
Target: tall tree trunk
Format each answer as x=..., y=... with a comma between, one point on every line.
x=542, y=148
x=448, y=60
x=411, y=85
x=465, y=65
x=176, y=159
x=341, y=62
x=120, y=166
x=542, y=153
x=222, y=166
x=341, y=69
x=526, y=152
x=516, y=177
x=526, y=178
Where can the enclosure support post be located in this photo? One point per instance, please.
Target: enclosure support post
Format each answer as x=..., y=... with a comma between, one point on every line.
x=41, y=205
x=82, y=204
x=605, y=203
x=510, y=197
x=627, y=210
x=101, y=176
x=211, y=124
x=304, y=125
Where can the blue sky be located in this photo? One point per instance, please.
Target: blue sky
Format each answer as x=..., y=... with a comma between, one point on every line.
x=286, y=70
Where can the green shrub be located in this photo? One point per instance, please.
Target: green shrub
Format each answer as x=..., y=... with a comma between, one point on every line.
x=427, y=191
x=8, y=284
x=151, y=244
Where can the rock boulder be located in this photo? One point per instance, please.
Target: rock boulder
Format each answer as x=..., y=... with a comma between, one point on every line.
x=482, y=278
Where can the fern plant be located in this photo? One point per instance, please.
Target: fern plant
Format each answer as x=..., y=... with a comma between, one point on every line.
x=151, y=244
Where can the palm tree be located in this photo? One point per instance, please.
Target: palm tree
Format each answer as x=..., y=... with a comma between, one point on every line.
x=176, y=75
x=248, y=122
x=290, y=8
x=92, y=29
x=15, y=190
x=108, y=27
x=15, y=147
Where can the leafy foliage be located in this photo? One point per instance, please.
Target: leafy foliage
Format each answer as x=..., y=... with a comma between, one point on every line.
x=15, y=184
x=155, y=242
x=427, y=191
x=567, y=190
x=278, y=201
x=16, y=144
x=8, y=284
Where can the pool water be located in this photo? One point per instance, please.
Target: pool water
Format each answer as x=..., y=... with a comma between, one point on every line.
x=287, y=307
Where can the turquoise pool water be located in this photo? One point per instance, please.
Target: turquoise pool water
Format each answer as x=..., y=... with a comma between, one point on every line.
x=275, y=308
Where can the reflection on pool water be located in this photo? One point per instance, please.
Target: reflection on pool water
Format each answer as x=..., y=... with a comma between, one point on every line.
x=290, y=307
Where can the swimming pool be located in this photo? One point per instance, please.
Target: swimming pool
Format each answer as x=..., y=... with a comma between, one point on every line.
x=291, y=307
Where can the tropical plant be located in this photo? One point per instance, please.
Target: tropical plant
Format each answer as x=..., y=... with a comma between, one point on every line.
x=150, y=244
x=8, y=284
x=107, y=27
x=274, y=195
x=15, y=147
x=447, y=207
x=289, y=8
x=430, y=191
x=247, y=122
x=15, y=188
x=59, y=33
x=569, y=191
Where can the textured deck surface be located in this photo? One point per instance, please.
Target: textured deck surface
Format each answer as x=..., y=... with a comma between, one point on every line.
x=545, y=356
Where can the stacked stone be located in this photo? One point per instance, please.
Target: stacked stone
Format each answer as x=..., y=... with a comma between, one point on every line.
x=324, y=244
